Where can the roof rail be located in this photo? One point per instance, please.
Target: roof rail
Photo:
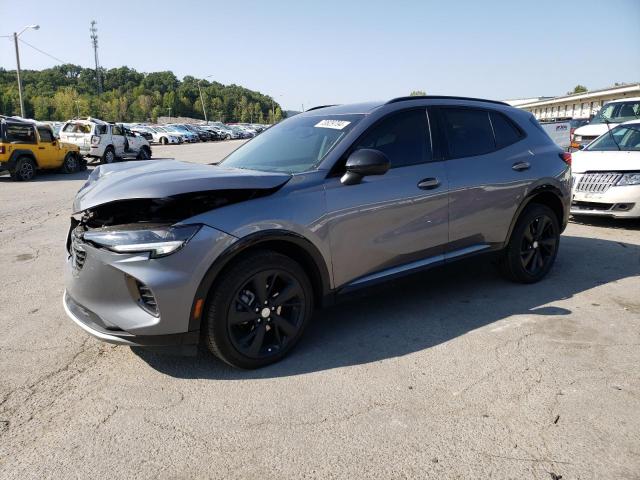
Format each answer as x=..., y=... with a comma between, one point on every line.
x=319, y=107
x=443, y=97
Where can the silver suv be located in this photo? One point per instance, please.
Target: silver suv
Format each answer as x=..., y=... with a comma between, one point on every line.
x=237, y=255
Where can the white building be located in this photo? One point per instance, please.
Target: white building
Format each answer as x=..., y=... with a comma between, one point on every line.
x=577, y=105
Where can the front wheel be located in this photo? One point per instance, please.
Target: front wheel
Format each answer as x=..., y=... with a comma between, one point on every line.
x=258, y=310
x=144, y=154
x=71, y=163
x=533, y=245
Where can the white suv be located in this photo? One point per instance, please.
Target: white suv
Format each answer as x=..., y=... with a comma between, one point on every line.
x=105, y=141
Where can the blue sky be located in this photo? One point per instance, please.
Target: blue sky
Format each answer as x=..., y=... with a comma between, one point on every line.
x=325, y=51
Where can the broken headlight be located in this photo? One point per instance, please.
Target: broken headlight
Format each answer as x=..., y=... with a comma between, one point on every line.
x=159, y=241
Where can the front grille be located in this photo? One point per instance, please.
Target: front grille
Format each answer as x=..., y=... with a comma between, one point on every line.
x=593, y=206
x=597, y=182
x=78, y=253
x=147, y=299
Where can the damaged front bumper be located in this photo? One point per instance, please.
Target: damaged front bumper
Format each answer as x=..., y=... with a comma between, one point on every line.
x=133, y=299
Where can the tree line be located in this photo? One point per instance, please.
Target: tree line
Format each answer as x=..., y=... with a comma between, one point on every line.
x=68, y=91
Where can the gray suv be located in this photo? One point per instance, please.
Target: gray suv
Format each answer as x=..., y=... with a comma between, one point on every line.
x=237, y=255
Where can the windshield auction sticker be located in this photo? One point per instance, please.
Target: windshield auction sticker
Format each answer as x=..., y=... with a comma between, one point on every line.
x=335, y=124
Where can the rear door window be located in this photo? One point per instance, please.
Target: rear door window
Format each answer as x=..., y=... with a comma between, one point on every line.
x=468, y=132
x=403, y=137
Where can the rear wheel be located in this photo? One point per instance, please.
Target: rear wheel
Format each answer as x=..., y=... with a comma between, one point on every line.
x=164, y=140
x=109, y=155
x=533, y=246
x=257, y=310
x=25, y=170
x=71, y=163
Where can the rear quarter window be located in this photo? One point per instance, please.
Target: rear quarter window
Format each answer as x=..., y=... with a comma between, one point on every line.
x=16, y=133
x=505, y=131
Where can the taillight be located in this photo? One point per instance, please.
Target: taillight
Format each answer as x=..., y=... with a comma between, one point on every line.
x=95, y=140
x=1, y=148
x=566, y=157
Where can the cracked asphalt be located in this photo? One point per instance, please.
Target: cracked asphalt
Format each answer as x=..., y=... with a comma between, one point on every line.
x=451, y=374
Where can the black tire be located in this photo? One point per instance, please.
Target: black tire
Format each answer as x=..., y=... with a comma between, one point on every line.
x=109, y=155
x=227, y=137
x=71, y=163
x=25, y=170
x=257, y=332
x=144, y=154
x=533, y=245
x=163, y=140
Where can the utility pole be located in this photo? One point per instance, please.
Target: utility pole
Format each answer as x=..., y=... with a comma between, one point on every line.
x=169, y=109
x=204, y=109
x=15, y=41
x=94, y=41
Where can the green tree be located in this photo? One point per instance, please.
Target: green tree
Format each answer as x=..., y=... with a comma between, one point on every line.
x=578, y=89
x=61, y=92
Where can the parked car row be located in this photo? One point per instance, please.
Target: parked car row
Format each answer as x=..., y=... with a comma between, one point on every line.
x=177, y=133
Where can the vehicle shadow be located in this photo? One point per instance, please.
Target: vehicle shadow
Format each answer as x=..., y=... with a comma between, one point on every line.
x=425, y=310
x=617, y=223
x=51, y=176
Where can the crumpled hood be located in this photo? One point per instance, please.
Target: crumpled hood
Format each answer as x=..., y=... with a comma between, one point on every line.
x=164, y=178
x=607, y=161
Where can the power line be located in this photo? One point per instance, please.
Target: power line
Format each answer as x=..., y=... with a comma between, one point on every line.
x=42, y=51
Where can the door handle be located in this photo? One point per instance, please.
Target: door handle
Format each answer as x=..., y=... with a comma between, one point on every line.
x=521, y=166
x=40, y=148
x=428, y=183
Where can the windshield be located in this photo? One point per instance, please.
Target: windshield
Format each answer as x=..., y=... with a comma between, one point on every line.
x=618, y=112
x=294, y=145
x=626, y=137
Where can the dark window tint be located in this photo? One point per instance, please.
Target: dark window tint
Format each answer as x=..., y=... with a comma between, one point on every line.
x=101, y=129
x=116, y=130
x=468, y=132
x=45, y=134
x=20, y=133
x=403, y=137
x=505, y=131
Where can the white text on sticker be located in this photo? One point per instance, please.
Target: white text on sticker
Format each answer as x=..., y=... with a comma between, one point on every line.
x=335, y=124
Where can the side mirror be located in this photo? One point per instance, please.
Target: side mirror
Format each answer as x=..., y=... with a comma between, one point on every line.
x=54, y=142
x=362, y=163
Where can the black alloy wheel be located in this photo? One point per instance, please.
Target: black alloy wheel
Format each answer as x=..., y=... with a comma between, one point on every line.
x=539, y=243
x=265, y=313
x=257, y=310
x=25, y=170
x=533, y=245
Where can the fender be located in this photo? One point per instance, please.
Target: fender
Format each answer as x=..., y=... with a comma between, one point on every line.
x=252, y=240
x=545, y=188
x=13, y=159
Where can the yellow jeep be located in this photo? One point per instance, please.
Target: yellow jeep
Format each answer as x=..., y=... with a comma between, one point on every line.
x=27, y=146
